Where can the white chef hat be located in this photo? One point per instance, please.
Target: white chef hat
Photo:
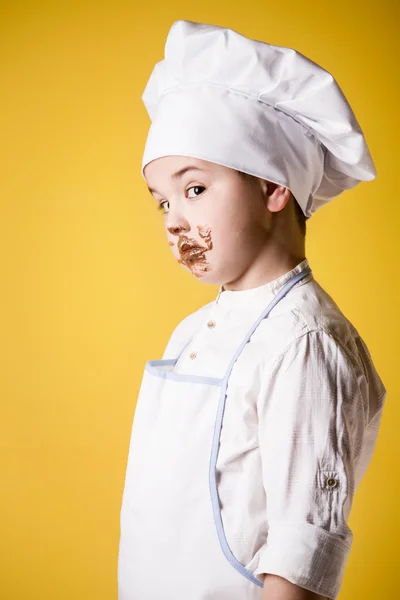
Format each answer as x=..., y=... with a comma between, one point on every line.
x=265, y=110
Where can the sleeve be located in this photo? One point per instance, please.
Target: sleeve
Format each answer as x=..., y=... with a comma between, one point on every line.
x=311, y=427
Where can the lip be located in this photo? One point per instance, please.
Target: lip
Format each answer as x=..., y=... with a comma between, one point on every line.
x=186, y=247
x=192, y=251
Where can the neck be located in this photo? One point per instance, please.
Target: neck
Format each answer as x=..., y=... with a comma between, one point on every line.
x=265, y=269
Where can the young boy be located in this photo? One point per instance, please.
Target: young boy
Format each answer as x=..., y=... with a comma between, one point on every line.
x=253, y=432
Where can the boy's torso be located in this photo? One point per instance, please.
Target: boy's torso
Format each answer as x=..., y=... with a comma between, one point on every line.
x=216, y=331
x=251, y=442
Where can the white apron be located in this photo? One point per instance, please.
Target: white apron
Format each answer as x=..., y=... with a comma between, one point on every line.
x=173, y=544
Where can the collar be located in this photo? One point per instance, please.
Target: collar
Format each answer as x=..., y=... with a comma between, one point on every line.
x=258, y=295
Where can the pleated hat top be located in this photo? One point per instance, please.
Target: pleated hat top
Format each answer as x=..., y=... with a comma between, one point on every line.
x=258, y=108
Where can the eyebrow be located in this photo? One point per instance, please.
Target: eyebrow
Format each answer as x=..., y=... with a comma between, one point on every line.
x=179, y=174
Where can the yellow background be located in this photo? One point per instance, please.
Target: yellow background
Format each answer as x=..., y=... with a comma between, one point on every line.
x=90, y=290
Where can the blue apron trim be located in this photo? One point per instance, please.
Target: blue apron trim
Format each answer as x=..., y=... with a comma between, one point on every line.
x=152, y=366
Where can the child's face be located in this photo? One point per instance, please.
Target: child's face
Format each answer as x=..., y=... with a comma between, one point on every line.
x=216, y=221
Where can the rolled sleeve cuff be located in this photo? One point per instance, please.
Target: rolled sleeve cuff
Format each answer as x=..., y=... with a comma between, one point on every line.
x=307, y=556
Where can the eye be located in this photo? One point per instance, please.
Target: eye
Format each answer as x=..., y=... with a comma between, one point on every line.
x=196, y=187
x=161, y=207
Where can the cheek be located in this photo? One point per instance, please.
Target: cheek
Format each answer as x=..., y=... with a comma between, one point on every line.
x=219, y=232
x=229, y=229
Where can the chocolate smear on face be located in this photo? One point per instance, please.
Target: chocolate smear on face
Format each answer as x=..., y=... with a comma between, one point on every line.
x=192, y=254
x=205, y=233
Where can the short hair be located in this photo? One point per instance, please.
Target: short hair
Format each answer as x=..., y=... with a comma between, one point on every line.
x=301, y=218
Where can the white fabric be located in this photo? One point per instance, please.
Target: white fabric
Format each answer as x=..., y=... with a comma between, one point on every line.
x=262, y=109
x=304, y=404
x=300, y=424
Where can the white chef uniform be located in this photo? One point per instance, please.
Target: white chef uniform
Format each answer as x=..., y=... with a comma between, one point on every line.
x=250, y=438
x=252, y=433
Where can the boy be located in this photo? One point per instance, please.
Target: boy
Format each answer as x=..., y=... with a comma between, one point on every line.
x=253, y=432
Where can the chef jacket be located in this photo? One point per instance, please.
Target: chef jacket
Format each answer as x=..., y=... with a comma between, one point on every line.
x=303, y=408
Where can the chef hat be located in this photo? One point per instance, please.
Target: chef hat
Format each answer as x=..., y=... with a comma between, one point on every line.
x=265, y=110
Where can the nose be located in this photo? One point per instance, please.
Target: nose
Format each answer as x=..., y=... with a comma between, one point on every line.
x=177, y=224
x=176, y=229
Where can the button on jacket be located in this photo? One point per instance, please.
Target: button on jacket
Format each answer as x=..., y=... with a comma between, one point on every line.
x=301, y=419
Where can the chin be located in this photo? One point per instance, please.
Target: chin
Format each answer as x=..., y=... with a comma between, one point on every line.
x=206, y=273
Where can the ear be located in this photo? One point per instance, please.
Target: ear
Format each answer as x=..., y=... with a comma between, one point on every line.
x=277, y=196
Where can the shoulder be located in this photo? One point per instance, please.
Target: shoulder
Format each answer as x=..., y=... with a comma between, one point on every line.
x=316, y=342
x=308, y=310
x=185, y=330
